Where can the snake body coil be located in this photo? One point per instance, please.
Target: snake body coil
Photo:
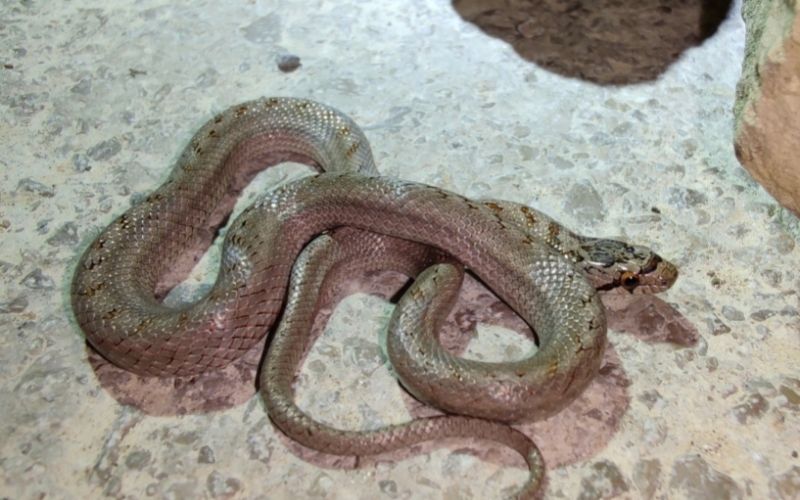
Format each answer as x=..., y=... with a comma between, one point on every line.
x=539, y=268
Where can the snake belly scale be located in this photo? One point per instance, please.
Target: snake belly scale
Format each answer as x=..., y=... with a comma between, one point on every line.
x=536, y=266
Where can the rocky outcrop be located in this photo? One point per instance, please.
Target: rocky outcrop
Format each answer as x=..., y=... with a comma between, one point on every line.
x=767, y=106
x=608, y=42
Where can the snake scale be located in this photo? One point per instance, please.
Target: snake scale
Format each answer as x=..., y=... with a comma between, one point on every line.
x=284, y=252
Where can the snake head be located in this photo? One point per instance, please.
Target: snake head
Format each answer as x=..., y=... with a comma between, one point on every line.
x=612, y=264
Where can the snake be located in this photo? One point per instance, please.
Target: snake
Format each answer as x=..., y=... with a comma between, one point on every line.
x=282, y=253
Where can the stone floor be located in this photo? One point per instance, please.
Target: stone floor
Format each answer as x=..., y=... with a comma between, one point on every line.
x=702, y=401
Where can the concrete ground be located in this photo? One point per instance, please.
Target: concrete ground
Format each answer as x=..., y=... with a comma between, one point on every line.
x=482, y=98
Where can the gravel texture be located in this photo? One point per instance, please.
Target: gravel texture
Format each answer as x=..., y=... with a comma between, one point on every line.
x=703, y=401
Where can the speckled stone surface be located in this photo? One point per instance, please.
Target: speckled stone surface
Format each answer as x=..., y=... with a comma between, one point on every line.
x=96, y=103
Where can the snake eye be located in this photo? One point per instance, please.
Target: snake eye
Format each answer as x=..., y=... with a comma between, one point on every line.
x=629, y=280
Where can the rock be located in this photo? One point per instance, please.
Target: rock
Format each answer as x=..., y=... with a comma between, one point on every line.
x=732, y=314
x=207, y=78
x=605, y=481
x=259, y=445
x=583, y=201
x=83, y=87
x=138, y=460
x=685, y=197
x=16, y=305
x=716, y=326
x=81, y=162
x=206, y=455
x=67, y=235
x=113, y=486
x=31, y=186
x=693, y=477
x=650, y=398
x=767, y=110
x=27, y=105
x=37, y=280
x=388, y=487
x=288, y=63
x=602, y=41
x=792, y=394
x=104, y=150
x=647, y=477
x=753, y=408
x=786, y=485
x=221, y=487
x=321, y=486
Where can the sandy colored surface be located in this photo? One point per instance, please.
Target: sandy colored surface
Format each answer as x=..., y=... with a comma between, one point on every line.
x=96, y=103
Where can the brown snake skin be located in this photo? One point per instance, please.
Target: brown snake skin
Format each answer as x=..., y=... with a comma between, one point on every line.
x=547, y=274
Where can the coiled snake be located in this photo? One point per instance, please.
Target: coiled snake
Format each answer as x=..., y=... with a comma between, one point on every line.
x=547, y=274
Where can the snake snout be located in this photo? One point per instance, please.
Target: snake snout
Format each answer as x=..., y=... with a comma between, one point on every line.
x=663, y=276
x=667, y=273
